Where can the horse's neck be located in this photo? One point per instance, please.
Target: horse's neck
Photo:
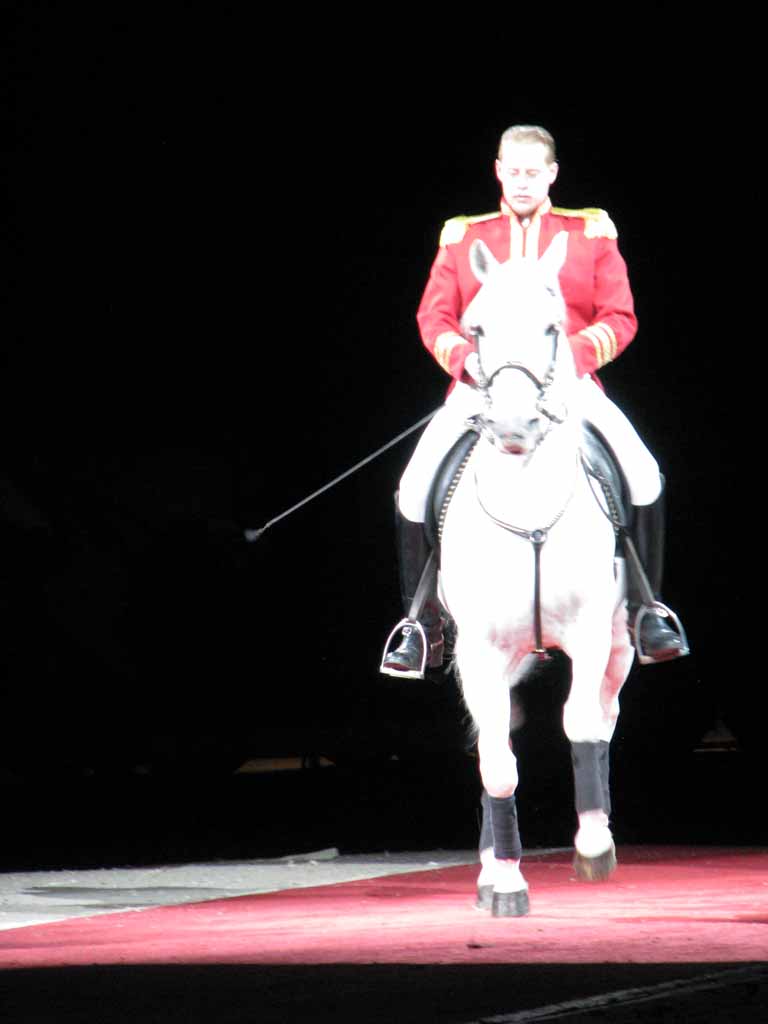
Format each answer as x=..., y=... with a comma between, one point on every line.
x=530, y=492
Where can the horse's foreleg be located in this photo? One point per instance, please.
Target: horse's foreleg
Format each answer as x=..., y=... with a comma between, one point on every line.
x=500, y=844
x=595, y=851
x=619, y=665
x=501, y=885
x=589, y=720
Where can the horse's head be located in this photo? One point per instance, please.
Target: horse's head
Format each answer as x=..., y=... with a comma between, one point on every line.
x=525, y=364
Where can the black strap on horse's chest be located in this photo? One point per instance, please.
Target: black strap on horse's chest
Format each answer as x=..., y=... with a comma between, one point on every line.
x=538, y=539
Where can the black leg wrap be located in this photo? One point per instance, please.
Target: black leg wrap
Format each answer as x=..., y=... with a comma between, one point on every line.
x=591, y=776
x=506, y=835
x=486, y=830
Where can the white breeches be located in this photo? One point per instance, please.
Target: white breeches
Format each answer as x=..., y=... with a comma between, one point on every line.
x=640, y=467
x=449, y=423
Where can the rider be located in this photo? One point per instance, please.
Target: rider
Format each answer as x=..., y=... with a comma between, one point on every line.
x=600, y=324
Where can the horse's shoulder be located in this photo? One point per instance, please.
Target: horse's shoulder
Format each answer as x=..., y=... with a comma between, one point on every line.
x=456, y=228
x=596, y=222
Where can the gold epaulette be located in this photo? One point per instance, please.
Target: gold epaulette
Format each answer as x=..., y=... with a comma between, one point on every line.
x=597, y=223
x=455, y=228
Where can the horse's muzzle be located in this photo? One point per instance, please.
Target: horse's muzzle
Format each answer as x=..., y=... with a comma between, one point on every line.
x=512, y=444
x=516, y=437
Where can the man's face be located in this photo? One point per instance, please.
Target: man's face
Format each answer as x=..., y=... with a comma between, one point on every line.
x=525, y=174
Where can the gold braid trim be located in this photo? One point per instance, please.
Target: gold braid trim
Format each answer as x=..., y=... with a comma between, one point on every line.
x=455, y=228
x=444, y=345
x=597, y=223
x=603, y=341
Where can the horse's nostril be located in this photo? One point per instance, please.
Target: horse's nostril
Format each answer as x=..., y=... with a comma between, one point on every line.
x=512, y=441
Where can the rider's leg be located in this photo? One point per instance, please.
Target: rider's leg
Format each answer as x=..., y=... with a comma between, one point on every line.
x=658, y=640
x=413, y=549
x=413, y=552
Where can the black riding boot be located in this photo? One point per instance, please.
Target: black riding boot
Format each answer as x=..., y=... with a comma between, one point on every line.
x=408, y=659
x=660, y=636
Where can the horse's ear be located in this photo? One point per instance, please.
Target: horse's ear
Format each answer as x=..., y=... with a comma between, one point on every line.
x=481, y=259
x=552, y=260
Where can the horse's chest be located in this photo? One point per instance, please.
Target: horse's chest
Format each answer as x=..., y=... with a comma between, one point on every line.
x=507, y=568
x=494, y=572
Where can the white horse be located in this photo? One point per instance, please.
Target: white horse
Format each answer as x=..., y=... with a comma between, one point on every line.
x=528, y=562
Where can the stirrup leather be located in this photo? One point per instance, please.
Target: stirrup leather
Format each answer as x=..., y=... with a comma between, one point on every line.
x=657, y=608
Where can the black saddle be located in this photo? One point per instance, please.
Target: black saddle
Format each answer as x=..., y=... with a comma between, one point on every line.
x=445, y=483
x=600, y=464
x=604, y=471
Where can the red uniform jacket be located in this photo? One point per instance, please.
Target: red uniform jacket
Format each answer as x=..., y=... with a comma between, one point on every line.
x=600, y=309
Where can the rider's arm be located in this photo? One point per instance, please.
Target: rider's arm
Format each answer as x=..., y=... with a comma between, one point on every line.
x=610, y=324
x=439, y=312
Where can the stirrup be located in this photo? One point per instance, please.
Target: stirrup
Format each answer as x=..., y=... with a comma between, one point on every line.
x=399, y=673
x=658, y=608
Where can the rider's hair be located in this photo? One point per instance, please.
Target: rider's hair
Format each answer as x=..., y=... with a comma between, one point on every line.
x=529, y=133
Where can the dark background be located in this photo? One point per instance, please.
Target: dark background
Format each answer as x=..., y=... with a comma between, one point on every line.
x=216, y=232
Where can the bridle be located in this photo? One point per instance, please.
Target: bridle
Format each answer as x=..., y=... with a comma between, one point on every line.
x=542, y=385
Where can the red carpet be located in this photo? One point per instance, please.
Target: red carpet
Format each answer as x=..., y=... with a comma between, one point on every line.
x=663, y=905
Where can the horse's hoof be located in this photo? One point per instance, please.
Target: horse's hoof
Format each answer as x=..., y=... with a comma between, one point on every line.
x=510, y=904
x=484, y=899
x=595, y=869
